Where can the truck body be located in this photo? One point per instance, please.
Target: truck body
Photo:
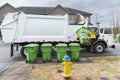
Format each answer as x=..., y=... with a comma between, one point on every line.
x=20, y=29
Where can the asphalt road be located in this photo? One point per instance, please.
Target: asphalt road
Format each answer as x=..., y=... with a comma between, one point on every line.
x=5, y=58
x=107, y=52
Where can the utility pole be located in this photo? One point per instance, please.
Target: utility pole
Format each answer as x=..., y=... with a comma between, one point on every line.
x=97, y=22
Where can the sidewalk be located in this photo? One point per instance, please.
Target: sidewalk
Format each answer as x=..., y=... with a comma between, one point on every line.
x=17, y=71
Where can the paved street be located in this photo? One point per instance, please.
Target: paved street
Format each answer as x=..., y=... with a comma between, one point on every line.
x=107, y=52
x=5, y=58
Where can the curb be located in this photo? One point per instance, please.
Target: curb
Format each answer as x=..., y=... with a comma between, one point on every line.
x=5, y=68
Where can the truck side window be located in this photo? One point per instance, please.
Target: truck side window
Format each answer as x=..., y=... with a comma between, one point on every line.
x=101, y=30
x=108, y=31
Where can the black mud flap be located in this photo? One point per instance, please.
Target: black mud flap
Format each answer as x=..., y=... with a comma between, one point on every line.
x=113, y=46
x=11, y=50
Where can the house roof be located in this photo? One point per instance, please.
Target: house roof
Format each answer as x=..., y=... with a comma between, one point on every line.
x=60, y=7
x=35, y=10
x=46, y=10
x=7, y=4
x=75, y=11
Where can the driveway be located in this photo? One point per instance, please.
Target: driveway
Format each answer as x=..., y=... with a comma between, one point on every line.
x=5, y=58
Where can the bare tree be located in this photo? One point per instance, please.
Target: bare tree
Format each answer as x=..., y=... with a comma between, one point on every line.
x=115, y=21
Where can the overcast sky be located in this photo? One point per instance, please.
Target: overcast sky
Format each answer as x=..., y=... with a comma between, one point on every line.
x=101, y=8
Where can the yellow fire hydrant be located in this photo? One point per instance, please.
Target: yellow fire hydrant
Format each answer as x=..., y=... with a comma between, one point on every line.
x=67, y=66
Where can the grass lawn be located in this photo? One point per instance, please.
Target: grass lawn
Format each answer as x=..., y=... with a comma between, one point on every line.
x=94, y=67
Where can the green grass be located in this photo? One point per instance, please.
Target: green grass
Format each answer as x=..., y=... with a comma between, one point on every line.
x=109, y=59
x=109, y=69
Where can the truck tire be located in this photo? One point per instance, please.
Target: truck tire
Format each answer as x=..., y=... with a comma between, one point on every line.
x=99, y=48
x=22, y=52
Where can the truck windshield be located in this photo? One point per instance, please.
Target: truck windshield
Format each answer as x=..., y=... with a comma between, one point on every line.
x=108, y=31
x=93, y=29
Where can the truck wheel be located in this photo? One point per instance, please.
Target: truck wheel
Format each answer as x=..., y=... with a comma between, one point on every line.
x=99, y=48
x=22, y=52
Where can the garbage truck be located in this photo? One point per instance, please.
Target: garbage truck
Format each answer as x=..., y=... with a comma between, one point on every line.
x=20, y=29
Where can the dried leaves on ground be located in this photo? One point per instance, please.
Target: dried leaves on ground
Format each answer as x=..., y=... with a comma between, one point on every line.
x=94, y=67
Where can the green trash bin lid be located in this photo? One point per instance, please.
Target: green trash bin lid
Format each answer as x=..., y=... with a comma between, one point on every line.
x=74, y=47
x=46, y=45
x=32, y=45
x=61, y=48
x=61, y=45
x=74, y=44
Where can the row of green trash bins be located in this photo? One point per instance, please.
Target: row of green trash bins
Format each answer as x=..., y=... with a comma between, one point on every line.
x=31, y=51
x=117, y=38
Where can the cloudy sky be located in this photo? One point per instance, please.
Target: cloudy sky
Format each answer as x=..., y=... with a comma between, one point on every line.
x=101, y=9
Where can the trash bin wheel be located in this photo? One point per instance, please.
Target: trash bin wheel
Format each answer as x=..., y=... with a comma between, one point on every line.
x=58, y=61
x=26, y=61
x=22, y=52
x=35, y=61
x=43, y=61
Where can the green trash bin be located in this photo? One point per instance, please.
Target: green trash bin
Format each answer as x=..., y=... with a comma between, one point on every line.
x=46, y=52
x=84, y=39
x=61, y=49
x=117, y=38
x=74, y=51
x=82, y=35
x=31, y=52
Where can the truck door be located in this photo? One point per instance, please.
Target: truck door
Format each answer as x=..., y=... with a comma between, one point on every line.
x=108, y=35
x=101, y=33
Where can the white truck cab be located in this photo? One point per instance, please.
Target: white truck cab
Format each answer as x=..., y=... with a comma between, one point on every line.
x=105, y=33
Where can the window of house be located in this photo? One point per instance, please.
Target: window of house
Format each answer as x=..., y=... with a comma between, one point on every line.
x=73, y=19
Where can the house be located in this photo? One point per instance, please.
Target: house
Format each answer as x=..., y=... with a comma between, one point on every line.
x=58, y=10
x=5, y=9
